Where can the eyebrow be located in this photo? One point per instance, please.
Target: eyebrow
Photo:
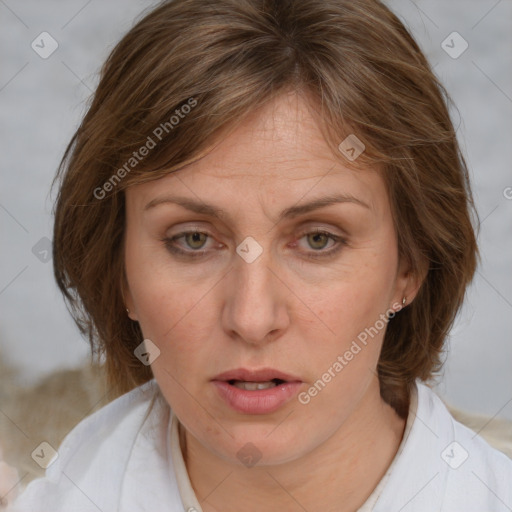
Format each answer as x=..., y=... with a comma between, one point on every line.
x=201, y=207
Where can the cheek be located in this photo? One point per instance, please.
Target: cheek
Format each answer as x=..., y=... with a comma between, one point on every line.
x=160, y=294
x=352, y=313
x=356, y=300
x=342, y=364
x=175, y=311
x=176, y=319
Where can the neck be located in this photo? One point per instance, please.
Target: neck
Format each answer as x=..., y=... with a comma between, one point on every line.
x=338, y=475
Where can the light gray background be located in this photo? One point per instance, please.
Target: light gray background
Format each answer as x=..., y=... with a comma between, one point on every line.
x=42, y=101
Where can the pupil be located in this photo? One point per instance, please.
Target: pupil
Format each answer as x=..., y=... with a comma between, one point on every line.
x=195, y=238
x=315, y=238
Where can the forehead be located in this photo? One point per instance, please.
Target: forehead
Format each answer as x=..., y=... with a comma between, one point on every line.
x=282, y=135
x=277, y=152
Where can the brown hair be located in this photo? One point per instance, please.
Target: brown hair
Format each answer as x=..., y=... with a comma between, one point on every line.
x=365, y=75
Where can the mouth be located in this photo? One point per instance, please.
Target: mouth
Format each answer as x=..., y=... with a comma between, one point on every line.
x=256, y=391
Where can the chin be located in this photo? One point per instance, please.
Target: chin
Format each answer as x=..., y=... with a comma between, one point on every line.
x=261, y=445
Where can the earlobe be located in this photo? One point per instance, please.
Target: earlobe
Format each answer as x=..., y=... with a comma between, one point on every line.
x=128, y=300
x=130, y=307
x=409, y=284
x=131, y=314
x=415, y=280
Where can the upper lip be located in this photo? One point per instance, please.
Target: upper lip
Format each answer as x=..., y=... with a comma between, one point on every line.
x=262, y=375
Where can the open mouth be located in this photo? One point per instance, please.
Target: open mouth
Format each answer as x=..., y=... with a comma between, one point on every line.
x=255, y=386
x=260, y=391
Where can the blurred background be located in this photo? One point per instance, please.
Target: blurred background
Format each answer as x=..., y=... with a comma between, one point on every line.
x=50, y=54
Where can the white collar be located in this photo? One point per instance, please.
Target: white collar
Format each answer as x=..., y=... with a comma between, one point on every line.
x=188, y=496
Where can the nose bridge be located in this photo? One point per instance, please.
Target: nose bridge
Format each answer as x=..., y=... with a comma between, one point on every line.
x=254, y=305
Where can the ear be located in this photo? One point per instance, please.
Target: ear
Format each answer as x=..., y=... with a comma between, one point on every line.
x=409, y=281
x=128, y=299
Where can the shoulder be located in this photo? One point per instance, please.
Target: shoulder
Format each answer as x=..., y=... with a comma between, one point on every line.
x=477, y=476
x=107, y=429
x=466, y=442
x=89, y=469
x=445, y=466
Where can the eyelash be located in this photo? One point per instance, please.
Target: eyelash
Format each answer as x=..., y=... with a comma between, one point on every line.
x=340, y=242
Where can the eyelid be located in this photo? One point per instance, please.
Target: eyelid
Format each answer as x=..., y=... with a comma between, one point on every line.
x=304, y=230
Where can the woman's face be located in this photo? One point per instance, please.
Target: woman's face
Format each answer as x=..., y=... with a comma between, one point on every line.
x=287, y=271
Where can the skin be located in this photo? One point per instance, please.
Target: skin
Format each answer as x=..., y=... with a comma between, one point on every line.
x=284, y=311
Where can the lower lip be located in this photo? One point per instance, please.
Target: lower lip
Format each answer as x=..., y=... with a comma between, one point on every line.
x=260, y=401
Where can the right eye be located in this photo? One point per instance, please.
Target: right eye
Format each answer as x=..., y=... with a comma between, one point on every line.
x=194, y=240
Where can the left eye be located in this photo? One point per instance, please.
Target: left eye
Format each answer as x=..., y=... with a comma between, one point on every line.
x=318, y=239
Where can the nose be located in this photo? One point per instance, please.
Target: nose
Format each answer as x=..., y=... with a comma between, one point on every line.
x=256, y=302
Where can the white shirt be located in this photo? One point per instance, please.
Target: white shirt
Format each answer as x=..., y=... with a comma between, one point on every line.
x=123, y=459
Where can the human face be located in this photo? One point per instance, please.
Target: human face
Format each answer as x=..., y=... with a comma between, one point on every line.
x=291, y=312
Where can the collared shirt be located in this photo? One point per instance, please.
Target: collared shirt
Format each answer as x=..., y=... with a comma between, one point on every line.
x=127, y=457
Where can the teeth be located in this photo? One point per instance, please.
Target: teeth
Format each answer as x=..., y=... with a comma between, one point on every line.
x=253, y=386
